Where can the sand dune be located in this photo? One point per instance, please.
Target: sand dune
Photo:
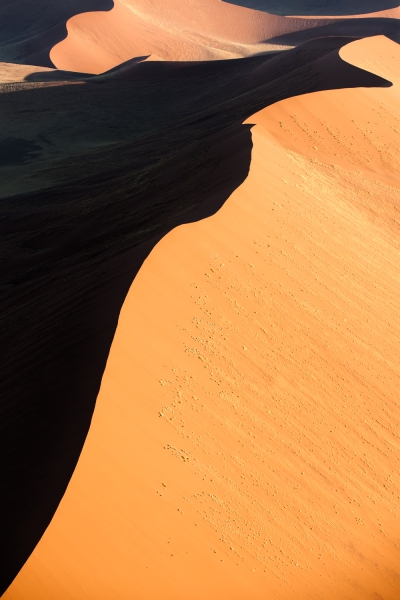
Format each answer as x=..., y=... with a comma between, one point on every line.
x=56, y=145
x=189, y=30
x=181, y=30
x=245, y=441
x=96, y=35
x=88, y=189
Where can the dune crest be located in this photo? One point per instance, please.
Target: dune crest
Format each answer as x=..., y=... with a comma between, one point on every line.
x=244, y=439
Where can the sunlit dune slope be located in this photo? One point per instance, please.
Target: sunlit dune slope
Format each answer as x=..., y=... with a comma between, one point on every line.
x=178, y=30
x=244, y=441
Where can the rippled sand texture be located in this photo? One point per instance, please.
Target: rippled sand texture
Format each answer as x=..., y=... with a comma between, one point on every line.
x=245, y=440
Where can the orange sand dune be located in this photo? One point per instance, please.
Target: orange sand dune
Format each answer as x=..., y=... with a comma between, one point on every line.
x=245, y=439
x=177, y=30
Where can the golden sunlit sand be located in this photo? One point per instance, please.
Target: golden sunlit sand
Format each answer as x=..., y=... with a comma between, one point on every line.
x=245, y=440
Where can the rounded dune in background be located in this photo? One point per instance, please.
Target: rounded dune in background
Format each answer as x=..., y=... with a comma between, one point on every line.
x=244, y=441
x=177, y=30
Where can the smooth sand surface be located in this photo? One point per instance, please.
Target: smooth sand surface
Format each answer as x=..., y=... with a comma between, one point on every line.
x=177, y=30
x=244, y=444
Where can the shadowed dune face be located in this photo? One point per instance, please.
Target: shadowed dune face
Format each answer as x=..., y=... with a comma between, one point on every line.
x=28, y=30
x=73, y=246
x=183, y=30
x=318, y=7
x=245, y=439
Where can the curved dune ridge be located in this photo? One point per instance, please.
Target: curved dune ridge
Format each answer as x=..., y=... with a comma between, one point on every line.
x=244, y=439
x=177, y=30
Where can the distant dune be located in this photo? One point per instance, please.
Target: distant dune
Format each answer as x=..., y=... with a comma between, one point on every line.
x=96, y=35
x=177, y=30
x=184, y=30
x=322, y=7
x=245, y=438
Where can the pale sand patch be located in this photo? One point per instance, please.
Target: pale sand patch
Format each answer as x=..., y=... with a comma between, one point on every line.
x=11, y=73
x=245, y=439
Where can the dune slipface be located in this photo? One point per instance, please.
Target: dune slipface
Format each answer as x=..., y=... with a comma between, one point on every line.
x=244, y=441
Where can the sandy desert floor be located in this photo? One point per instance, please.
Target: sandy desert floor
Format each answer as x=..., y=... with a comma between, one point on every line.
x=245, y=441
